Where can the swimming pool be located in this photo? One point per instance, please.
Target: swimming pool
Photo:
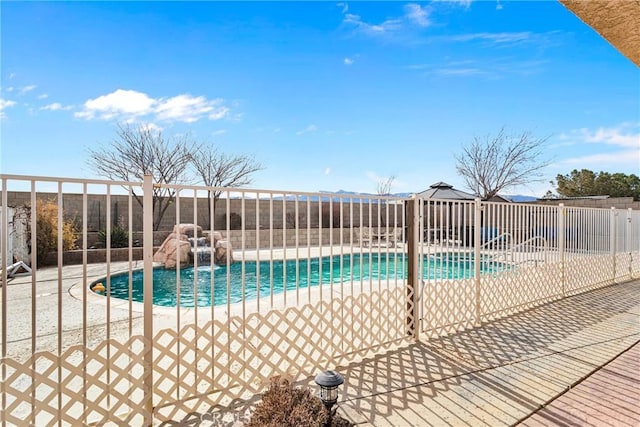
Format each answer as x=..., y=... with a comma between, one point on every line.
x=274, y=275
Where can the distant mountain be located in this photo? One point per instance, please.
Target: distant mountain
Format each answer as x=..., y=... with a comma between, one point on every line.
x=345, y=196
x=341, y=192
x=366, y=197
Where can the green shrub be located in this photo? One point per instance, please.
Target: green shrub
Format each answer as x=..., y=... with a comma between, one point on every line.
x=47, y=230
x=119, y=237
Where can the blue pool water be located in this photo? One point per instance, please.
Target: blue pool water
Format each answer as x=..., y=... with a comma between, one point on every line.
x=305, y=272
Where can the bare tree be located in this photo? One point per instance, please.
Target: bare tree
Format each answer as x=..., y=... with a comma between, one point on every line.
x=383, y=188
x=219, y=170
x=492, y=163
x=138, y=151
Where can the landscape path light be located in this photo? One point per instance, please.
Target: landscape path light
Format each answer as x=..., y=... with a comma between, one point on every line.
x=329, y=381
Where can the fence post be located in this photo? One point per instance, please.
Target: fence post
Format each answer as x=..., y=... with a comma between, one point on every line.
x=413, y=278
x=613, y=239
x=147, y=252
x=561, y=233
x=477, y=243
x=627, y=243
x=4, y=238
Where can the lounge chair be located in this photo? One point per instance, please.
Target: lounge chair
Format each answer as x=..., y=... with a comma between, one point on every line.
x=18, y=269
x=363, y=235
x=396, y=236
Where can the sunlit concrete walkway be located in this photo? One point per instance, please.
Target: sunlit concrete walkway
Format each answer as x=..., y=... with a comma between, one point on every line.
x=610, y=396
x=556, y=364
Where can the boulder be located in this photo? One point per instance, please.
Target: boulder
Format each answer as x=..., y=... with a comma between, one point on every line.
x=215, y=236
x=181, y=254
x=188, y=230
x=223, y=250
x=175, y=249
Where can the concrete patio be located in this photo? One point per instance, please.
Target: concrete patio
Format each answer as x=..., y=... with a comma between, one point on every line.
x=570, y=362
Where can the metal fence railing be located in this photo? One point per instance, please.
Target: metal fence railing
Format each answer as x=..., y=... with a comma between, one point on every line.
x=482, y=260
x=130, y=317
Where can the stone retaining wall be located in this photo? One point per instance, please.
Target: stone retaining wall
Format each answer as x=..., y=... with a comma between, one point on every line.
x=265, y=238
x=616, y=202
x=94, y=256
x=270, y=214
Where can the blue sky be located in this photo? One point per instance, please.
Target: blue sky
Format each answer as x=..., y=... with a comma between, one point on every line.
x=326, y=95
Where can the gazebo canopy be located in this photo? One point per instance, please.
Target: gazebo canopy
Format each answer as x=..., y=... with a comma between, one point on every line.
x=442, y=190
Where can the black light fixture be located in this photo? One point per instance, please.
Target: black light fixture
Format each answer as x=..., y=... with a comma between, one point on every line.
x=329, y=382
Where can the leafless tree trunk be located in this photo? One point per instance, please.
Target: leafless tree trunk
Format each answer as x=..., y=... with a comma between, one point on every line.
x=384, y=189
x=492, y=163
x=218, y=170
x=384, y=186
x=138, y=151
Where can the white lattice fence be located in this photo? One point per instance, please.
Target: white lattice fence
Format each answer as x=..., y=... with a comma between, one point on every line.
x=588, y=272
x=519, y=289
x=448, y=306
x=241, y=356
x=623, y=267
x=80, y=386
x=224, y=359
x=635, y=264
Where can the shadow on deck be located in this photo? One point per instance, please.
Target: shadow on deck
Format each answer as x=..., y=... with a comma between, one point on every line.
x=497, y=374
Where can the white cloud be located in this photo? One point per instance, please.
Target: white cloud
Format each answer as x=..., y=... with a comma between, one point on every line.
x=506, y=39
x=220, y=111
x=43, y=96
x=9, y=89
x=414, y=15
x=218, y=132
x=348, y=61
x=499, y=5
x=614, y=136
x=5, y=103
x=52, y=107
x=56, y=106
x=625, y=136
x=498, y=38
x=26, y=89
x=327, y=171
x=458, y=71
x=118, y=103
x=189, y=109
x=310, y=128
x=417, y=14
x=344, y=6
x=151, y=127
x=488, y=69
x=12, y=76
x=129, y=105
x=602, y=160
x=385, y=27
x=463, y=3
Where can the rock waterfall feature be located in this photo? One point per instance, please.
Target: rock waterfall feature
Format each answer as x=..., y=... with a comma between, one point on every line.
x=187, y=244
